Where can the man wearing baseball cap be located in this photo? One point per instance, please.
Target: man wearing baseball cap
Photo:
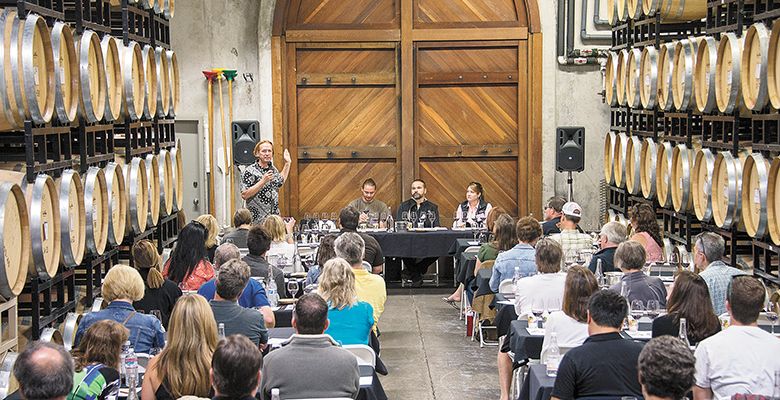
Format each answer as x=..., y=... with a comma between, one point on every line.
x=571, y=240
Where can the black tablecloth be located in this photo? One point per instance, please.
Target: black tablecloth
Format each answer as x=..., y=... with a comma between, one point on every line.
x=418, y=244
x=481, y=284
x=505, y=314
x=283, y=316
x=522, y=343
x=537, y=386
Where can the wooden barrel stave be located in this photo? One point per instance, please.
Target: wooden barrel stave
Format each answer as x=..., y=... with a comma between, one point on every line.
x=755, y=179
x=96, y=210
x=753, y=67
x=728, y=89
x=117, y=203
x=704, y=74
x=72, y=221
x=647, y=173
x=66, y=73
x=702, y=184
x=663, y=174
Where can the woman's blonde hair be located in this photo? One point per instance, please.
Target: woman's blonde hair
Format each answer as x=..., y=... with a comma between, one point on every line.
x=123, y=282
x=337, y=284
x=274, y=225
x=101, y=343
x=212, y=228
x=145, y=256
x=192, y=337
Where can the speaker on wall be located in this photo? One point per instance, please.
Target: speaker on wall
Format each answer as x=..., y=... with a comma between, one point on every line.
x=245, y=135
x=570, y=148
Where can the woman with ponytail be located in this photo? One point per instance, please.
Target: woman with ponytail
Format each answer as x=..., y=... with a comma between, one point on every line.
x=159, y=293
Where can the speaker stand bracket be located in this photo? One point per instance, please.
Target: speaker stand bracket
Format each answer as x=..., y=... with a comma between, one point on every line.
x=570, y=182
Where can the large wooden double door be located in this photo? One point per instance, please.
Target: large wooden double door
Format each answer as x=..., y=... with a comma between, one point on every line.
x=445, y=90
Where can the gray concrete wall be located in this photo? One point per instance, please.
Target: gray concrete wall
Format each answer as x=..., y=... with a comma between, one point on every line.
x=236, y=34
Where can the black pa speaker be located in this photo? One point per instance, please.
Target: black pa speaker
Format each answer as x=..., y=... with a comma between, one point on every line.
x=245, y=135
x=570, y=148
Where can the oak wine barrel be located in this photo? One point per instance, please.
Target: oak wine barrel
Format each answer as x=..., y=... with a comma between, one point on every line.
x=634, y=9
x=114, y=79
x=32, y=65
x=72, y=218
x=665, y=76
x=682, y=81
x=137, y=188
x=174, y=84
x=633, y=165
x=612, y=12
x=69, y=328
x=682, y=166
x=92, y=76
x=754, y=67
x=66, y=73
x=634, y=78
x=165, y=173
x=663, y=174
x=622, y=10
x=648, y=89
x=609, y=152
x=178, y=177
x=773, y=66
x=169, y=10
x=132, y=81
x=668, y=248
x=755, y=178
x=117, y=203
x=704, y=74
x=676, y=10
x=9, y=117
x=773, y=201
x=619, y=159
x=153, y=180
x=150, y=81
x=726, y=189
x=728, y=89
x=702, y=184
x=647, y=171
x=163, y=89
x=15, y=238
x=96, y=208
x=622, y=68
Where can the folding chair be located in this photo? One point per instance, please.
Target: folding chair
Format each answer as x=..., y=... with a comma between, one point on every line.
x=365, y=354
x=506, y=286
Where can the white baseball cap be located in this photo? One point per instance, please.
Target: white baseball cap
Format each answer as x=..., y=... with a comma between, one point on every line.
x=572, y=209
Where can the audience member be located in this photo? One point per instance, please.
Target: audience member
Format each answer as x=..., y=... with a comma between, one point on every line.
x=474, y=210
x=367, y=203
x=242, y=220
x=528, y=231
x=44, y=371
x=351, y=320
x=415, y=268
x=708, y=253
x=121, y=287
x=544, y=290
x=552, y=215
x=690, y=299
x=630, y=259
x=369, y=287
x=182, y=368
x=231, y=281
x=325, y=252
x=159, y=293
x=741, y=359
x=253, y=296
x=188, y=266
x=259, y=241
x=492, y=216
x=212, y=231
x=646, y=231
x=666, y=369
x=97, y=361
x=570, y=238
x=611, y=235
x=328, y=370
x=349, y=218
x=282, y=242
x=235, y=368
x=606, y=363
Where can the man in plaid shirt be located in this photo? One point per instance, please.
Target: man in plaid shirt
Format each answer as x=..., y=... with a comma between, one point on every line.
x=571, y=240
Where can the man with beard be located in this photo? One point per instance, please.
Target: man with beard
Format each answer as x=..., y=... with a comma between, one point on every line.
x=421, y=206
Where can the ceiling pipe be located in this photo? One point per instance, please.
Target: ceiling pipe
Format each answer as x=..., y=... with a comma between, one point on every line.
x=584, y=35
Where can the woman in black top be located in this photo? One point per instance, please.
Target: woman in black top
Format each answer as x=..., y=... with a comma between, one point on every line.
x=690, y=299
x=159, y=293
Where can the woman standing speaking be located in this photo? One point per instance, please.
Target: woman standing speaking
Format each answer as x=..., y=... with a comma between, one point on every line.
x=261, y=181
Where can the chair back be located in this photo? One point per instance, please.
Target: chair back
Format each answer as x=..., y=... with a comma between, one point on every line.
x=487, y=265
x=506, y=286
x=472, y=249
x=365, y=355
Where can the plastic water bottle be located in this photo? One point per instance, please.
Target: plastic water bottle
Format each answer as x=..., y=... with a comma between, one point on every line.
x=221, y=330
x=131, y=366
x=122, y=358
x=132, y=382
x=776, y=391
x=599, y=273
x=683, y=334
x=517, y=276
x=271, y=289
x=389, y=222
x=553, y=356
x=275, y=394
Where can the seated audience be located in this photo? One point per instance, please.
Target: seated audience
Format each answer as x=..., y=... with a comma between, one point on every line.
x=159, y=293
x=325, y=252
x=121, y=287
x=612, y=234
x=630, y=259
x=690, y=299
x=570, y=238
x=647, y=232
x=328, y=370
x=259, y=241
x=242, y=220
x=606, y=363
x=350, y=320
x=741, y=359
x=708, y=253
x=552, y=215
x=182, y=368
x=474, y=210
x=253, y=296
x=231, y=281
x=349, y=219
x=44, y=370
x=282, y=243
x=369, y=287
x=189, y=266
x=212, y=231
x=97, y=361
x=666, y=369
x=528, y=231
x=542, y=291
x=235, y=368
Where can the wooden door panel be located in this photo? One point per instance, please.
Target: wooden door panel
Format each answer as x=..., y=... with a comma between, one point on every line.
x=328, y=186
x=454, y=11
x=488, y=59
x=354, y=61
x=466, y=115
x=352, y=12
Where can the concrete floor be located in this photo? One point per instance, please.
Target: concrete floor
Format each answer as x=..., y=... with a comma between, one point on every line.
x=427, y=353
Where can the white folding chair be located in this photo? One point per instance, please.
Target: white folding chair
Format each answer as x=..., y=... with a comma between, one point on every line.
x=506, y=286
x=365, y=355
x=275, y=391
x=464, y=301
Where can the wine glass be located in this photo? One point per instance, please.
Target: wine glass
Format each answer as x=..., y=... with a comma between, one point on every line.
x=653, y=308
x=413, y=217
x=771, y=314
x=405, y=216
x=431, y=217
x=423, y=218
x=292, y=287
x=334, y=216
x=537, y=312
x=637, y=309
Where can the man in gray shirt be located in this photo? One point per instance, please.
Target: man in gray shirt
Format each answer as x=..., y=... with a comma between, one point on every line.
x=231, y=280
x=630, y=258
x=368, y=204
x=311, y=365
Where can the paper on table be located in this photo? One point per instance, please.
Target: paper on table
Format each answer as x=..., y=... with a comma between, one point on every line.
x=506, y=302
x=640, y=334
x=473, y=242
x=535, y=331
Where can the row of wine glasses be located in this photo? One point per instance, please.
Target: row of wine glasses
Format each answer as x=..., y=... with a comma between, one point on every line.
x=639, y=309
x=419, y=219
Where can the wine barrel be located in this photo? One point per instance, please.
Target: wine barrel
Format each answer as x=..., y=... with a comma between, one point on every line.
x=704, y=75
x=609, y=150
x=66, y=73
x=96, y=208
x=72, y=218
x=773, y=66
x=150, y=82
x=619, y=159
x=153, y=180
x=612, y=12
x=137, y=188
x=69, y=328
x=132, y=81
x=676, y=10
x=633, y=165
x=173, y=83
x=668, y=248
x=754, y=67
x=163, y=89
x=773, y=203
x=93, y=93
x=634, y=9
x=728, y=90
x=682, y=81
x=702, y=184
x=663, y=174
x=621, y=77
x=44, y=222
x=15, y=249
x=169, y=9
x=165, y=172
x=726, y=190
x=117, y=203
x=114, y=79
x=682, y=165
x=648, y=169
x=755, y=178
x=9, y=117
x=648, y=89
x=665, y=76
x=178, y=177
x=633, y=80
x=622, y=10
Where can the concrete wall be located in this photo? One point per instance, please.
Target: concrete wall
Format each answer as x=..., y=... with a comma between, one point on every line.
x=236, y=34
